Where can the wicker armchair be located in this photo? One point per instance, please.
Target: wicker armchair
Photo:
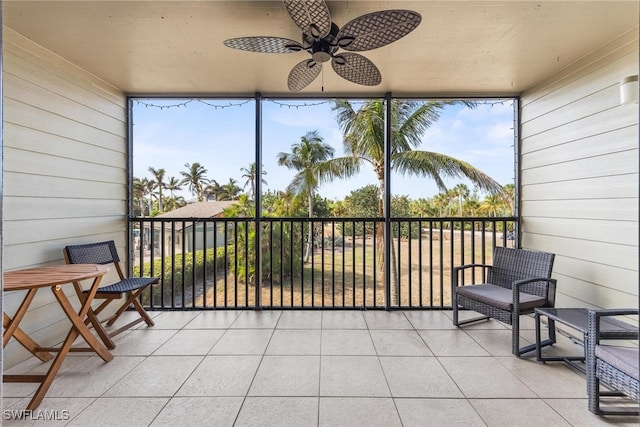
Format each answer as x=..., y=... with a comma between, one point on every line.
x=614, y=366
x=518, y=281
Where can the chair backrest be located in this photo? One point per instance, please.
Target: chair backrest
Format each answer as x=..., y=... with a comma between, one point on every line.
x=510, y=265
x=94, y=253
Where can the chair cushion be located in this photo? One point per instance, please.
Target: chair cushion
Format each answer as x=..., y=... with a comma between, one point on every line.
x=624, y=359
x=499, y=297
x=128, y=285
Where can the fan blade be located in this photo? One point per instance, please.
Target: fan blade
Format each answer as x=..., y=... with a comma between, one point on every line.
x=311, y=16
x=356, y=68
x=377, y=29
x=303, y=74
x=264, y=44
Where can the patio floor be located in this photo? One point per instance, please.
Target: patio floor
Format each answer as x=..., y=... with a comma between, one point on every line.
x=312, y=368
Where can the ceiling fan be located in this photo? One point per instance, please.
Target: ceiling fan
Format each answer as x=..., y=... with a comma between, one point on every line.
x=323, y=39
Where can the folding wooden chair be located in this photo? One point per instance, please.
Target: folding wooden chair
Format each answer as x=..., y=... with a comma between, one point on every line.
x=130, y=288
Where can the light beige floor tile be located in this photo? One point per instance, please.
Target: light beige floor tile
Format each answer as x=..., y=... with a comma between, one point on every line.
x=517, y=412
x=295, y=319
x=243, y=341
x=59, y=411
x=261, y=319
x=576, y=412
x=128, y=411
x=92, y=377
x=564, y=346
x=496, y=341
x=141, y=342
x=343, y=320
x=190, y=342
x=352, y=376
x=173, y=319
x=451, y=343
x=378, y=319
x=278, y=412
x=198, y=411
x=31, y=366
x=216, y=319
x=527, y=321
x=437, y=413
x=483, y=324
x=547, y=380
x=347, y=342
x=294, y=341
x=221, y=376
x=484, y=377
x=128, y=317
x=423, y=319
x=287, y=376
x=156, y=376
x=399, y=343
x=353, y=412
x=418, y=377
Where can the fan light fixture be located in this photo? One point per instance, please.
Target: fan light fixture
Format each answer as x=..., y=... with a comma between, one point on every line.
x=322, y=39
x=629, y=90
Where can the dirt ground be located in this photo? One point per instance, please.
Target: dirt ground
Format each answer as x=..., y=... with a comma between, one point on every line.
x=351, y=278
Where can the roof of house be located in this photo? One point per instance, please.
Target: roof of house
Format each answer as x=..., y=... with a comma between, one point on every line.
x=210, y=209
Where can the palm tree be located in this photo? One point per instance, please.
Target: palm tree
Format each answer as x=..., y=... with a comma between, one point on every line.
x=364, y=141
x=214, y=189
x=173, y=185
x=306, y=158
x=158, y=174
x=230, y=190
x=138, y=196
x=149, y=187
x=250, y=175
x=195, y=178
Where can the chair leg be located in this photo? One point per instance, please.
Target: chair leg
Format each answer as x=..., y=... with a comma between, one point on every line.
x=131, y=299
x=455, y=310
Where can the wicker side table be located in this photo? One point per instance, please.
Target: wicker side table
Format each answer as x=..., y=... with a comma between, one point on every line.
x=577, y=318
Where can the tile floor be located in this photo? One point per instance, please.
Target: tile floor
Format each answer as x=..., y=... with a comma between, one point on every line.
x=312, y=368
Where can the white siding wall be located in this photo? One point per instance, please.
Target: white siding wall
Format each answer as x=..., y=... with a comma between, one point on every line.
x=580, y=177
x=64, y=171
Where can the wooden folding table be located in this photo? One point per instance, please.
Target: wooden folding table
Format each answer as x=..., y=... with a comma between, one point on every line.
x=31, y=280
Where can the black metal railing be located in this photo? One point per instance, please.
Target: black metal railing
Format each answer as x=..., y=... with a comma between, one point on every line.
x=305, y=263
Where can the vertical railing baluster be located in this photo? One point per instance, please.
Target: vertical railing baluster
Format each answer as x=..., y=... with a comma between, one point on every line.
x=247, y=261
x=353, y=264
x=333, y=263
x=322, y=264
x=215, y=263
x=421, y=304
x=364, y=264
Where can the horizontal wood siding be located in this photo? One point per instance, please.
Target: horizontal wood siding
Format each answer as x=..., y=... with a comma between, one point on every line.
x=64, y=172
x=579, y=177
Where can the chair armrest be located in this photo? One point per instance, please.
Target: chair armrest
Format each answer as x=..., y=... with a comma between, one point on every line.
x=594, y=315
x=518, y=283
x=457, y=270
x=550, y=290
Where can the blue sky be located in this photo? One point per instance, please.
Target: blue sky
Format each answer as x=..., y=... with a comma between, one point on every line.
x=220, y=135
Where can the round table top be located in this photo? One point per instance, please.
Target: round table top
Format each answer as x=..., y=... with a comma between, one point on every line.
x=50, y=275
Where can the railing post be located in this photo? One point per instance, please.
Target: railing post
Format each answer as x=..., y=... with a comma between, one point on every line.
x=387, y=202
x=258, y=202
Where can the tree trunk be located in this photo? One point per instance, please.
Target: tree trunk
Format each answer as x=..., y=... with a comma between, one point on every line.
x=308, y=249
x=394, y=282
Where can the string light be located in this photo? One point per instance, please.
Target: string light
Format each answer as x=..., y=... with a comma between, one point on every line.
x=185, y=103
x=296, y=105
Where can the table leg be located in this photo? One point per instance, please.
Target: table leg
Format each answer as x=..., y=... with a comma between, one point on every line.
x=538, y=337
x=53, y=370
x=11, y=329
x=78, y=328
x=77, y=319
